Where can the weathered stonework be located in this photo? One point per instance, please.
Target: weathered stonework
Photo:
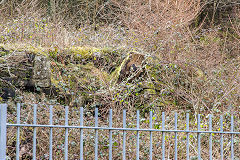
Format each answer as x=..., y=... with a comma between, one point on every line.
x=23, y=70
x=41, y=72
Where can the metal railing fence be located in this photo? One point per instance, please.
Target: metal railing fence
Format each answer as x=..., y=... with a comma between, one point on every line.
x=124, y=129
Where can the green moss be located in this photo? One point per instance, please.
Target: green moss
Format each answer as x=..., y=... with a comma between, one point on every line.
x=37, y=50
x=113, y=78
x=24, y=47
x=151, y=88
x=2, y=53
x=87, y=52
x=81, y=52
x=2, y=60
x=55, y=82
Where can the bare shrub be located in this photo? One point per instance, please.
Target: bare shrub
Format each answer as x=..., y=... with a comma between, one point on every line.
x=158, y=26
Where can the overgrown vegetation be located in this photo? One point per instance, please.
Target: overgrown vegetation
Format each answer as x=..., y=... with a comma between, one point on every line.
x=191, y=61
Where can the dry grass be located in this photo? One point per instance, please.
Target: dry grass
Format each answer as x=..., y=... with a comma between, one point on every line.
x=193, y=68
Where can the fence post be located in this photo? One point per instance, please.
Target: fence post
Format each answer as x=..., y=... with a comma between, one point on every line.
x=3, y=131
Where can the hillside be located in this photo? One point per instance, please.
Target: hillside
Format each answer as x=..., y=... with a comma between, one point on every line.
x=165, y=56
x=188, y=60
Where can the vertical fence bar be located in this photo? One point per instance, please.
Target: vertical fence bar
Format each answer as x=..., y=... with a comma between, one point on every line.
x=110, y=134
x=3, y=131
x=163, y=136
x=81, y=133
x=210, y=137
x=137, y=148
x=151, y=147
x=232, y=138
x=187, y=129
x=176, y=142
x=199, y=136
x=66, y=134
x=96, y=134
x=51, y=131
x=124, y=134
x=34, y=130
x=221, y=136
x=18, y=131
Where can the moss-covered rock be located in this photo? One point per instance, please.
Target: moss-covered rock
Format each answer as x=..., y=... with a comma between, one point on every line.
x=41, y=72
x=24, y=69
x=130, y=68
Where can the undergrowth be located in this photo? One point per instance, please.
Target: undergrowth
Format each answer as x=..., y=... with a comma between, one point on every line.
x=192, y=63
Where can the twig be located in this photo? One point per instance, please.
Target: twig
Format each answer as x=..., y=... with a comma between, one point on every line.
x=10, y=84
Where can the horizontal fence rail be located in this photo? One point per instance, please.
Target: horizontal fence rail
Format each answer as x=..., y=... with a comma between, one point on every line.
x=124, y=129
